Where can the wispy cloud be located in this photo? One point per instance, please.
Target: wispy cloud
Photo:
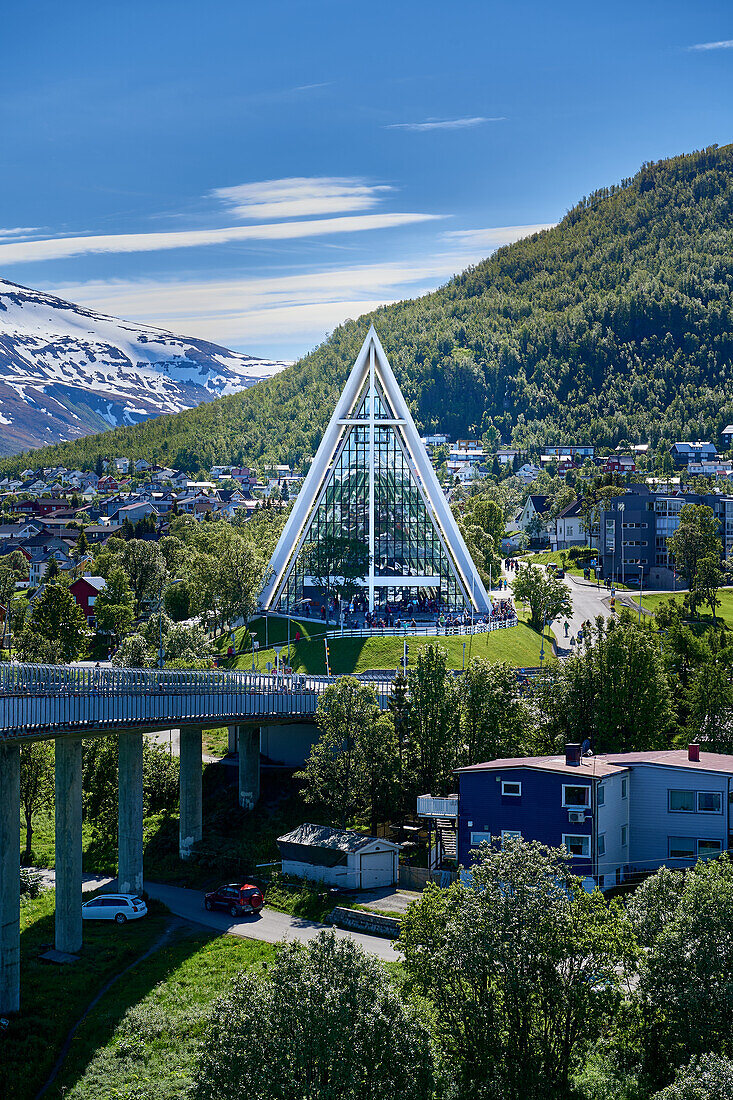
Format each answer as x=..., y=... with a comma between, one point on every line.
x=444, y=123
x=495, y=236
x=19, y=232
x=726, y=44
x=300, y=197
x=283, y=314
x=63, y=247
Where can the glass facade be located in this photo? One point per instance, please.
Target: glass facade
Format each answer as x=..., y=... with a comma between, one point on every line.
x=410, y=564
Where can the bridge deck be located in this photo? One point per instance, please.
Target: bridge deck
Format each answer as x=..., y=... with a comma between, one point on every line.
x=48, y=700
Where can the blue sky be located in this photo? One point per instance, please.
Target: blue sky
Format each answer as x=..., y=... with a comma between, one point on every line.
x=255, y=173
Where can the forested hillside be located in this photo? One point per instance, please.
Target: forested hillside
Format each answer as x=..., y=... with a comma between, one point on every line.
x=616, y=324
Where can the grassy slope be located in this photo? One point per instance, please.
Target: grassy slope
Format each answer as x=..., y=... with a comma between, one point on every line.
x=518, y=646
x=141, y=1039
x=53, y=997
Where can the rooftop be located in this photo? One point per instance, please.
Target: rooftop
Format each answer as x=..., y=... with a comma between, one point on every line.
x=591, y=767
x=321, y=836
x=597, y=767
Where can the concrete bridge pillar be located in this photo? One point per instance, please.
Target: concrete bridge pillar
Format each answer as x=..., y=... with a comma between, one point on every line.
x=130, y=813
x=191, y=824
x=248, y=739
x=68, y=844
x=9, y=877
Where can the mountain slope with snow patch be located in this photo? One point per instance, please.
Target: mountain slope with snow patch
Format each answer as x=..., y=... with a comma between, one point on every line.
x=66, y=371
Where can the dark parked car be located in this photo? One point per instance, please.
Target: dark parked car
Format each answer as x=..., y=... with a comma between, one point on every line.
x=236, y=897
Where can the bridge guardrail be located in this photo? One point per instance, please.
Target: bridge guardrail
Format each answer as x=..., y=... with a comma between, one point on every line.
x=35, y=699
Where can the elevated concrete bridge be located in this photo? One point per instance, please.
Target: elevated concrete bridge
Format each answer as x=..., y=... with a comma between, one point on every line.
x=68, y=703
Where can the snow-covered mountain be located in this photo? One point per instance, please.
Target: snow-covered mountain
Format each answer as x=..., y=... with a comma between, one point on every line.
x=66, y=371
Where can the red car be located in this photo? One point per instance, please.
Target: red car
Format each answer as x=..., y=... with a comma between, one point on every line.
x=236, y=897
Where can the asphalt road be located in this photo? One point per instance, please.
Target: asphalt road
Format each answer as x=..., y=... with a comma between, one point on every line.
x=269, y=925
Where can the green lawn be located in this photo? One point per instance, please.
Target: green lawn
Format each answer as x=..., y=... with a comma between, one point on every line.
x=518, y=646
x=53, y=997
x=724, y=611
x=141, y=1039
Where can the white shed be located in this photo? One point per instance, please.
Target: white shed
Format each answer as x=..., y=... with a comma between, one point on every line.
x=339, y=857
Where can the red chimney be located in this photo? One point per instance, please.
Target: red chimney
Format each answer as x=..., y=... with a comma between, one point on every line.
x=693, y=753
x=572, y=755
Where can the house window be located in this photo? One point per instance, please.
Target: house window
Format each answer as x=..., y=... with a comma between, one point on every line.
x=601, y=844
x=575, y=797
x=624, y=835
x=681, y=802
x=479, y=838
x=511, y=788
x=709, y=802
x=91, y=601
x=509, y=832
x=624, y=786
x=576, y=845
x=601, y=795
x=682, y=847
x=707, y=849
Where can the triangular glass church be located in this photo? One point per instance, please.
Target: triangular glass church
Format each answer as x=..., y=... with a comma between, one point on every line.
x=372, y=480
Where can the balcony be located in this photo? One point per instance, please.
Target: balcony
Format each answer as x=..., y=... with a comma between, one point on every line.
x=427, y=806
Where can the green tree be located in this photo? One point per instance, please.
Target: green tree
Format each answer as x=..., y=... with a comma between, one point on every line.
x=114, y=609
x=56, y=619
x=685, y=989
x=696, y=538
x=494, y=719
x=708, y=579
x=615, y=690
x=705, y=1077
x=133, y=652
x=324, y=1022
x=145, y=566
x=522, y=969
x=36, y=785
x=548, y=597
x=433, y=722
x=334, y=774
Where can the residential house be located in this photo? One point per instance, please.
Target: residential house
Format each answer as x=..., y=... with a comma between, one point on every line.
x=85, y=591
x=24, y=529
x=619, y=464
x=40, y=557
x=528, y=473
x=98, y=533
x=133, y=512
x=536, y=504
x=569, y=450
x=685, y=453
x=437, y=439
x=567, y=529
x=506, y=455
x=619, y=815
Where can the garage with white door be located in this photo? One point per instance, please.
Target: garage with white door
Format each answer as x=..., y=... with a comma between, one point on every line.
x=339, y=857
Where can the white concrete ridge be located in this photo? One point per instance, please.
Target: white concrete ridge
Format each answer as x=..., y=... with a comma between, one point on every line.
x=372, y=366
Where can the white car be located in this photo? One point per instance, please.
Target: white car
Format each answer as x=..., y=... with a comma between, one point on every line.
x=117, y=907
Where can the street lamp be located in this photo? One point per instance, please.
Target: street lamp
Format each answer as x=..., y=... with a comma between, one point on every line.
x=621, y=510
